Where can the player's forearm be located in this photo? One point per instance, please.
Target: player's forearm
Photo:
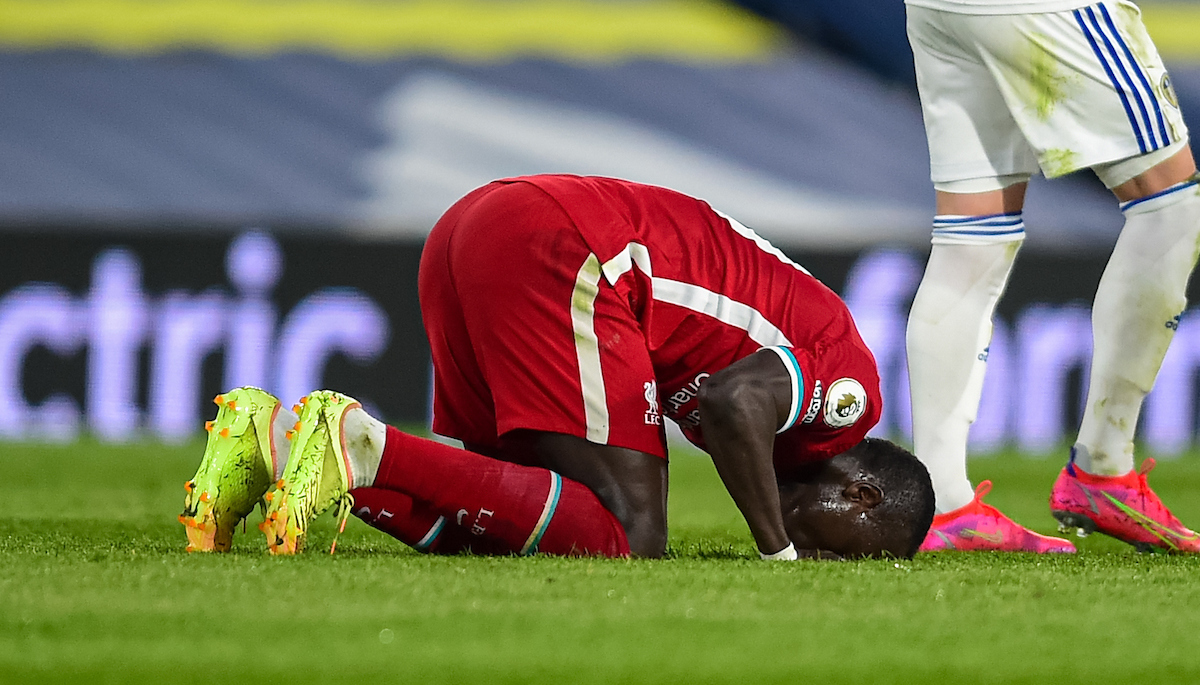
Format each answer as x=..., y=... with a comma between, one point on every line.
x=760, y=507
x=738, y=423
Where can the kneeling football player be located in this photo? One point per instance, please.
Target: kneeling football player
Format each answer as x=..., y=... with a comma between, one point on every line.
x=568, y=317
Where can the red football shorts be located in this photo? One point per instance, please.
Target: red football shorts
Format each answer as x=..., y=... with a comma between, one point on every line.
x=525, y=333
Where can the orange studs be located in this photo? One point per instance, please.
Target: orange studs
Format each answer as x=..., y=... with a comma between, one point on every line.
x=189, y=486
x=224, y=432
x=269, y=496
x=183, y=519
x=208, y=426
x=231, y=404
x=304, y=400
x=279, y=484
x=289, y=434
x=219, y=400
x=296, y=409
x=204, y=496
x=296, y=427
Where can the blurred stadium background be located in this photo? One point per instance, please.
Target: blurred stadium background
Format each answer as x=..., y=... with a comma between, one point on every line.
x=198, y=194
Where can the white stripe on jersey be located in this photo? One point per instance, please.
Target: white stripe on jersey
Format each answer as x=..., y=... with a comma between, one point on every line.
x=634, y=253
x=721, y=308
x=698, y=298
x=759, y=241
x=587, y=349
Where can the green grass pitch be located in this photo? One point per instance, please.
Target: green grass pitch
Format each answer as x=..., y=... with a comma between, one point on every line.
x=95, y=588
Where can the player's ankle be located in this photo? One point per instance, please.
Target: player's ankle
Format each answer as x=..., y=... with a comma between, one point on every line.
x=365, y=438
x=1099, y=463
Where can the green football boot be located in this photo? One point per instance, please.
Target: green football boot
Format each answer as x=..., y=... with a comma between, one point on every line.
x=317, y=475
x=236, y=470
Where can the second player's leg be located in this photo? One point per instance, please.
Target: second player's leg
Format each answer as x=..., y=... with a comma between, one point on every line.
x=976, y=240
x=1134, y=317
x=1137, y=307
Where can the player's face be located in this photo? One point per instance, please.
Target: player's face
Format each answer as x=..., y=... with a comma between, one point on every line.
x=829, y=510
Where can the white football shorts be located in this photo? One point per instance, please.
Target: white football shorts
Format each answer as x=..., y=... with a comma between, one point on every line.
x=1005, y=95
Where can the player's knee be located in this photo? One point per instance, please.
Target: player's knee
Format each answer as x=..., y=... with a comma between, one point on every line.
x=1144, y=175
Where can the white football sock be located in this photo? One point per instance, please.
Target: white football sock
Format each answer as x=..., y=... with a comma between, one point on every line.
x=364, y=446
x=1138, y=301
x=949, y=329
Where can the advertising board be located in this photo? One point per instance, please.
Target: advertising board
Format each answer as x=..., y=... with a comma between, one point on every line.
x=128, y=336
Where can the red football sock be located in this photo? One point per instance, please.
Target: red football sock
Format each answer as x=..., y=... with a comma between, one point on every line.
x=419, y=525
x=525, y=508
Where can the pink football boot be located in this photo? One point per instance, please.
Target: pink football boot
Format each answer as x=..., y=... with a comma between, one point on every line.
x=978, y=527
x=1121, y=506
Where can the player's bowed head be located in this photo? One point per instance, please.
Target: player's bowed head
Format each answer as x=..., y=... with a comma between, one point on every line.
x=874, y=499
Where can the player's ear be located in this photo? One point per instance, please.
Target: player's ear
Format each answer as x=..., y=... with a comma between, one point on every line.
x=867, y=495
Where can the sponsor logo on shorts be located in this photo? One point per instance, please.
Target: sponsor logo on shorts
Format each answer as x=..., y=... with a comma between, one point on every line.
x=653, y=417
x=1168, y=91
x=845, y=403
x=814, y=405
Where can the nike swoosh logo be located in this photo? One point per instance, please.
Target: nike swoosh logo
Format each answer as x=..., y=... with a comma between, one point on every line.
x=1091, y=500
x=1150, y=524
x=994, y=538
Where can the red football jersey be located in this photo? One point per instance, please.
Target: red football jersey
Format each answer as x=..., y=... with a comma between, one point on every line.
x=707, y=292
x=702, y=292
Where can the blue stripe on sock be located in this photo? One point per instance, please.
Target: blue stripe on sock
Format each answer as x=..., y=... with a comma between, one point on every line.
x=1173, y=189
x=990, y=219
x=989, y=225
x=979, y=232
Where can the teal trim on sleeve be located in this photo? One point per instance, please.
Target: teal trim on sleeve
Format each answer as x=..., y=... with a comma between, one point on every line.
x=797, y=376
